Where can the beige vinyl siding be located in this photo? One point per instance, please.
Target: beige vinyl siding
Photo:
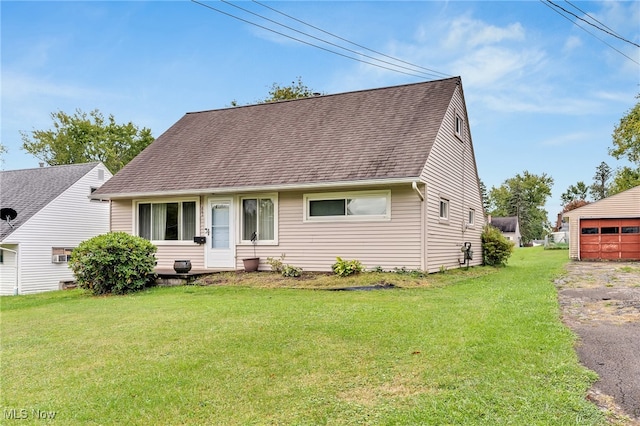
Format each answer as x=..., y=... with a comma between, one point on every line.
x=122, y=220
x=65, y=222
x=623, y=205
x=122, y=216
x=451, y=174
x=314, y=246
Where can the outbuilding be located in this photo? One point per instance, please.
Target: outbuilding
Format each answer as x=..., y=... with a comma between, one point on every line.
x=608, y=229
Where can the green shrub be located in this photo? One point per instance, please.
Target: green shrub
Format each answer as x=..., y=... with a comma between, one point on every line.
x=344, y=268
x=113, y=263
x=276, y=264
x=496, y=248
x=291, y=271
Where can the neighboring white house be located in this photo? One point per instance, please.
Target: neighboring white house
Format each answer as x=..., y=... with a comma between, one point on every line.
x=54, y=214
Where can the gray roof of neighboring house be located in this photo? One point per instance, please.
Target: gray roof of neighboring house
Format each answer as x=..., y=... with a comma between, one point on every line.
x=505, y=224
x=373, y=134
x=27, y=191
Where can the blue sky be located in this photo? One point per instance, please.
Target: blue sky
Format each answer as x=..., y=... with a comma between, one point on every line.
x=542, y=94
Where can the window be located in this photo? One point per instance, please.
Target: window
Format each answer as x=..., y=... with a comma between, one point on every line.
x=175, y=221
x=259, y=218
x=444, y=209
x=589, y=231
x=60, y=254
x=472, y=217
x=361, y=205
x=631, y=229
x=609, y=230
x=459, y=126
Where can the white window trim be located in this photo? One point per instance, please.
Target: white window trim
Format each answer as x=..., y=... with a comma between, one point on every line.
x=458, y=130
x=343, y=195
x=167, y=200
x=274, y=197
x=472, y=217
x=448, y=203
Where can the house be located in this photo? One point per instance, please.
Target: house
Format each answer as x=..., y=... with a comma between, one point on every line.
x=385, y=176
x=509, y=226
x=53, y=215
x=608, y=229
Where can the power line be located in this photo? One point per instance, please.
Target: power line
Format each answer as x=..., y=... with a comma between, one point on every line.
x=604, y=25
x=593, y=25
x=325, y=41
x=423, y=74
x=545, y=2
x=350, y=42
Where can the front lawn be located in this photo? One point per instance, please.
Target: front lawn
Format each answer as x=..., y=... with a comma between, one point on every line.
x=483, y=348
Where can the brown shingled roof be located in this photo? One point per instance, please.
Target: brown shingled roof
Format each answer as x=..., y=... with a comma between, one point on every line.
x=373, y=134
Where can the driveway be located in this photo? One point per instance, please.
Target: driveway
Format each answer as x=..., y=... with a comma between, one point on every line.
x=600, y=302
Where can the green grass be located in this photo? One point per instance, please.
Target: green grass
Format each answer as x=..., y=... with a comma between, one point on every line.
x=488, y=349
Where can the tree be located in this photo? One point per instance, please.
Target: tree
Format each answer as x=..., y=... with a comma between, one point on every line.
x=82, y=137
x=484, y=195
x=524, y=196
x=626, y=136
x=626, y=143
x=625, y=178
x=572, y=205
x=575, y=193
x=600, y=187
x=282, y=93
x=3, y=150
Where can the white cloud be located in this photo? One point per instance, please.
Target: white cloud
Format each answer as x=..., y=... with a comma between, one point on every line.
x=471, y=33
x=23, y=88
x=572, y=43
x=568, y=139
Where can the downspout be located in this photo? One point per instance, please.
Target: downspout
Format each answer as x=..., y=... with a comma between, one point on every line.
x=414, y=185
x=423, y=231
x=16, y=289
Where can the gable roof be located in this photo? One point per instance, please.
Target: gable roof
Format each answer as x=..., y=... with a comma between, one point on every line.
x=27, y=191
x=630, y=197
x=505, y=224
x=369, y=135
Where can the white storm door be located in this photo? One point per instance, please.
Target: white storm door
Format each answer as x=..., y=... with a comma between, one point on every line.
x=220, y=241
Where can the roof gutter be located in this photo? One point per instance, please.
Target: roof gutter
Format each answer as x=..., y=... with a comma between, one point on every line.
x=255, y=188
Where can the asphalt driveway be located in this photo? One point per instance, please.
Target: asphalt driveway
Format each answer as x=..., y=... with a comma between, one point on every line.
x=600, y=302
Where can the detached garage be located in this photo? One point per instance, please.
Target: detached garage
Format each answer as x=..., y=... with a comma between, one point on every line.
x=608, y=229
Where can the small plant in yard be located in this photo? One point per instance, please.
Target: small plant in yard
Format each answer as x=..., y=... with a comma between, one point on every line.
x=276, y=264
x=414, y=273
x=344, y=268
x=377, y=269
x=496, y=249
x=113, y=263
x=291, y=271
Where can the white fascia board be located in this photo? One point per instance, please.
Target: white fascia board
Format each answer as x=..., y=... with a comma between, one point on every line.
x=261, y=188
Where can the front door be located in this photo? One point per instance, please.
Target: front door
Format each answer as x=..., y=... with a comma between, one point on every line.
x=221, y=243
